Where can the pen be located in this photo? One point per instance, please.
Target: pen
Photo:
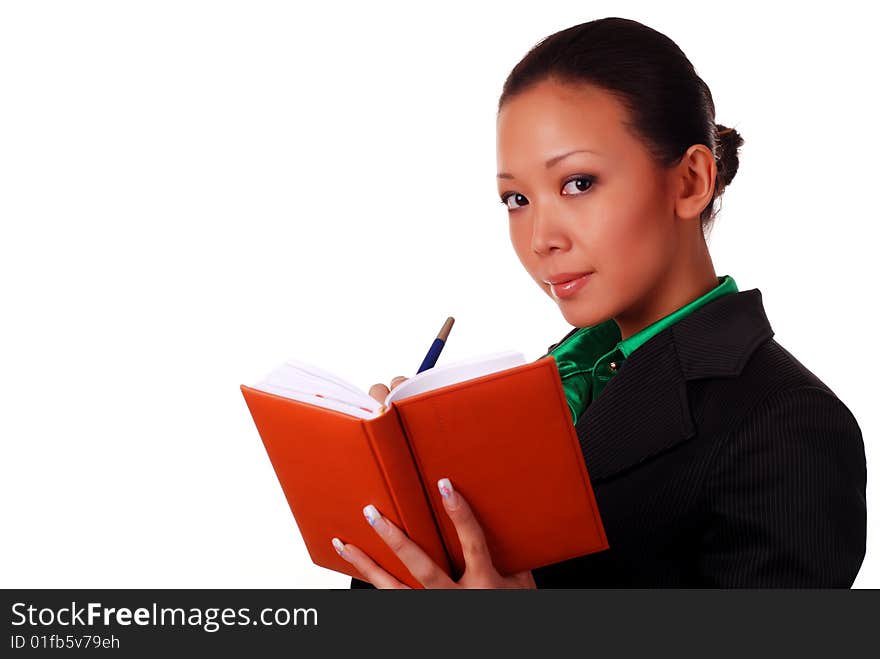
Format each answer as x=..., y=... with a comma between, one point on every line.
x=437, y=346
x=434, y=351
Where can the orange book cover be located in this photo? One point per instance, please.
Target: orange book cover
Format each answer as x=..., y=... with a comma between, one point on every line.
x=505, y=440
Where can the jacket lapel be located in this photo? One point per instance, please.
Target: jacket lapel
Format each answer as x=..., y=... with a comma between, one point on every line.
x=644, y=408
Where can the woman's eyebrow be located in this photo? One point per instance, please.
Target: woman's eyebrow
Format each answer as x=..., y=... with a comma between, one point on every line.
x=554, y=160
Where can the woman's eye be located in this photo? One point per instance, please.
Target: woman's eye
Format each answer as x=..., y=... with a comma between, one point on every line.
x=516, y=196
x=580, y=185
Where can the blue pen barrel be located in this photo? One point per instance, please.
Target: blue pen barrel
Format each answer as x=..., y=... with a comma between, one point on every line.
x=433, y=354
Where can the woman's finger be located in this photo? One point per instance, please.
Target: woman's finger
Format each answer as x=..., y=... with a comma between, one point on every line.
x=470, y=533
x=420, y=565
x=379, y=391
x=366, y=566
x=526, y=579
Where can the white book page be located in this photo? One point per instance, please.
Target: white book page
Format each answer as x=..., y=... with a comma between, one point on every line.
x=304, y=377
x=306, y=382
x=314, y=399
x=316, y=372
x=468, y=369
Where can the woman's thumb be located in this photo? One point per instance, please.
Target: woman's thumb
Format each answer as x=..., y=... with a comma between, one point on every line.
x=378, y=391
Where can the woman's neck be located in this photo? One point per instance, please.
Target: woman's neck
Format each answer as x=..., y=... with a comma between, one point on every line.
x=679, y=288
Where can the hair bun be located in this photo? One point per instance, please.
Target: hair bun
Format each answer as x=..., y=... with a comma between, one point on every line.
x=728, y=141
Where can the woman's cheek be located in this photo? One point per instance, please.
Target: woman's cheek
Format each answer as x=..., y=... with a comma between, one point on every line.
x=627, y=257
x=520, y=238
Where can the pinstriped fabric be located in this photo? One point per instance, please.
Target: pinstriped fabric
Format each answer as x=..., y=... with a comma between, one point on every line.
x=703, y=349
x=786, y=496
x=612, y=440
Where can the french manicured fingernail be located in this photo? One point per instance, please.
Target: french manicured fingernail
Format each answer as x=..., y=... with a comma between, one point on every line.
x=450, y=499
x=340, y=548
x=375, y=519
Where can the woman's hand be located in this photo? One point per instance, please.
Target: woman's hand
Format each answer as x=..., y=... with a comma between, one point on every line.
x=479, y=571
x=379, y=391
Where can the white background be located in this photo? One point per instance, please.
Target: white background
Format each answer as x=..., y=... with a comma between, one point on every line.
x=192, y=192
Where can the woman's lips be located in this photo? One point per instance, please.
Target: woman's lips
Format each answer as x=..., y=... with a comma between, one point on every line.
x=569, y=288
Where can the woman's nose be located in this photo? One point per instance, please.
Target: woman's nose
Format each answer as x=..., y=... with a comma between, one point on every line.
x=547, y=233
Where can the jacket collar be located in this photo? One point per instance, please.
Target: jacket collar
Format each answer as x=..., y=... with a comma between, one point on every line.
x=644, y=408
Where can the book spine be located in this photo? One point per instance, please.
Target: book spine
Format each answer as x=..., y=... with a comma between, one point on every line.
x=414, y=514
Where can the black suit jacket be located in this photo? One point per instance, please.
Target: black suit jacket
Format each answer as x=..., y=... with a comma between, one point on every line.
x=719, y=460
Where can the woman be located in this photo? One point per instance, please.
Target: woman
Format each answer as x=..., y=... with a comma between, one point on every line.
x=717, y=459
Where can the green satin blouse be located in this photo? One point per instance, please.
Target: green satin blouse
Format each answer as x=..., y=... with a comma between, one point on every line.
x=591, y=356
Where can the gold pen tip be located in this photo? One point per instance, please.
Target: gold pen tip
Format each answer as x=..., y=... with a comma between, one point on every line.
x=444, y=331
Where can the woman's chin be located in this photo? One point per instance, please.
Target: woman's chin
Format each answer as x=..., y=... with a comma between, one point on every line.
x=578, y=310
x=580, y=315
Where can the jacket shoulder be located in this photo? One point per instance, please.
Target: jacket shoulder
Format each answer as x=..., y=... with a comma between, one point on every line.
x=772, y=377
x=772, y=369
x=785, y=494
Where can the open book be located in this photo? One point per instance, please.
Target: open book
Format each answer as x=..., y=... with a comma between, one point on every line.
x=307, y=383
x=497, y=426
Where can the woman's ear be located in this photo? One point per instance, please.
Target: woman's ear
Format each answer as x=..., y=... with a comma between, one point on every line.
x=695, y=181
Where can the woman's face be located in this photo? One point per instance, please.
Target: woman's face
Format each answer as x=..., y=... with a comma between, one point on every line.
x=609, y=211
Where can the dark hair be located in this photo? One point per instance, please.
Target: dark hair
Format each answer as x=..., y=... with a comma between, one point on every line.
x=670, y=107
